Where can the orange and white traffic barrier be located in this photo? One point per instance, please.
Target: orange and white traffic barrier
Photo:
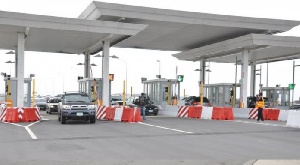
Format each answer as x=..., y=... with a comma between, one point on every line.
x=183, y=111
x=253, y=113
x=2, y=114
x=15, y=115
x=124, y=114
x=195, y=112
x=101, y=113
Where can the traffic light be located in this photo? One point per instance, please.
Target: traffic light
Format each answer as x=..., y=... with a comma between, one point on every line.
x=180, y=78
x=292, y=86
x=92, y=89
x=111, y=77
x=6, y=89
x=231, y=93
x=166, y=89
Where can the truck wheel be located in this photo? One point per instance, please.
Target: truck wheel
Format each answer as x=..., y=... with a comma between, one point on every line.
x=63, y=120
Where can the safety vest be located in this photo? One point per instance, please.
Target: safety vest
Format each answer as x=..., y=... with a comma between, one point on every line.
x=260, y=104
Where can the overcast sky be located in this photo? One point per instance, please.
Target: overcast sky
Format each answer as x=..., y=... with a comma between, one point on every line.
x=53, y=69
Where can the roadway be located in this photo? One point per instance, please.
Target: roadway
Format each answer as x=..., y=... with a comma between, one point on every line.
x=157, y=140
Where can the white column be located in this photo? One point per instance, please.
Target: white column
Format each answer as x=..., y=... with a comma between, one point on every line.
x=20, y=70
x=252, y=79
x=244, y=77
x=87, y=65
x=16, y=64
x=105, y=73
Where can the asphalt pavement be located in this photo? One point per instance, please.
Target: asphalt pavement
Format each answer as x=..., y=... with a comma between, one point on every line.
x=157, y=140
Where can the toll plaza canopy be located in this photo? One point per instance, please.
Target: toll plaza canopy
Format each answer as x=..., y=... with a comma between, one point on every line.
x=60, y=35
x=178, y=30
x=103, y=25
x=263, y=48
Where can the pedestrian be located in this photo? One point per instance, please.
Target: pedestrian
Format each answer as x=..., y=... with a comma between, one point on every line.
x=142, y=101
x=260, y=106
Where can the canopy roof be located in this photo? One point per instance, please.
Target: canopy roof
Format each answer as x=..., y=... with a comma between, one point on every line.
x=263, y=48
x=61, y=35
x=178, y=30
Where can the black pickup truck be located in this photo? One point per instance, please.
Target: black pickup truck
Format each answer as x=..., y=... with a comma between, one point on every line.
x=76, y=106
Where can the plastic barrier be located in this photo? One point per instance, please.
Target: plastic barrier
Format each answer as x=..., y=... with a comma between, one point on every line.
x=110, y=113
x=273, y=114
x=293, y=119
x=128, y=115
x=218, y=113
x=137, y=115
x=29, y=114
x=228, y=113
x=195, y=112
x=183, y=111
x=253, y=113
x=12, y=115
x=2, y=114
x=101, y=113
x=206, y=112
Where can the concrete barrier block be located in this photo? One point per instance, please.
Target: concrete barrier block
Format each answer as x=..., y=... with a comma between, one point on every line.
x=283, y=115
x=241, y=112
x=293, y=119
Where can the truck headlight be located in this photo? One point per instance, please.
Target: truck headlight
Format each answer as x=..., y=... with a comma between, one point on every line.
x=91, y=107
x=66, y=107
x=51, y=106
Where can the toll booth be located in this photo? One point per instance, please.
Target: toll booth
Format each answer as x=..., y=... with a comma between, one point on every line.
x=13, y=91
x=157, y=90
x=220, y=94
x=86, y=85
x=279, y=97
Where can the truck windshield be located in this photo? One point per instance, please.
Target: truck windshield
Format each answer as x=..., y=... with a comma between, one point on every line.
x=76, y=98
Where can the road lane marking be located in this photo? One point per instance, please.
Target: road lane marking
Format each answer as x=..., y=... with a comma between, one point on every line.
x=177, y=130
x=30, y=133
x=14, y=124
x=33, y=123
x=261, y=123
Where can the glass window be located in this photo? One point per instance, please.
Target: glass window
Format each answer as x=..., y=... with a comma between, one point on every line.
x=76, y=98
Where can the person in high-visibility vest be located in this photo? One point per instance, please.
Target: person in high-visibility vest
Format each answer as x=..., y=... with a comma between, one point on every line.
x=260, y=105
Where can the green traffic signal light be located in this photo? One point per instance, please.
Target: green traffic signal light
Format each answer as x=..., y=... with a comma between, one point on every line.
x=180, y=78
x=292, y=86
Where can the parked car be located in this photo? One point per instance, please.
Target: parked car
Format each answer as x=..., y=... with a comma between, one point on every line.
x=251, y=102
x=295, y=106
x=76, y=106
x=193, y=100
x=41, y=103
x=52, y=105
x=150, y=108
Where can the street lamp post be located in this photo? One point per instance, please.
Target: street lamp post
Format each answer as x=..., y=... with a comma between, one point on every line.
x=116, y=57
x=293, y=81
x=159, y=76
x=260, y=85
x=10, y=62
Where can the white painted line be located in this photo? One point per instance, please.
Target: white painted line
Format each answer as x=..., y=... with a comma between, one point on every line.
x=177, y=130
x=30, y=133
x=14, y=124
x=261, y=123
x=33, y=123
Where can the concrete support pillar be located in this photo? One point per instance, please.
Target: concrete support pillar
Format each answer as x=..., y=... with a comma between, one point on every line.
x=87, y=65
x=105, y=73
x=253, y=79
x=244, y=77
x=20, y=70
